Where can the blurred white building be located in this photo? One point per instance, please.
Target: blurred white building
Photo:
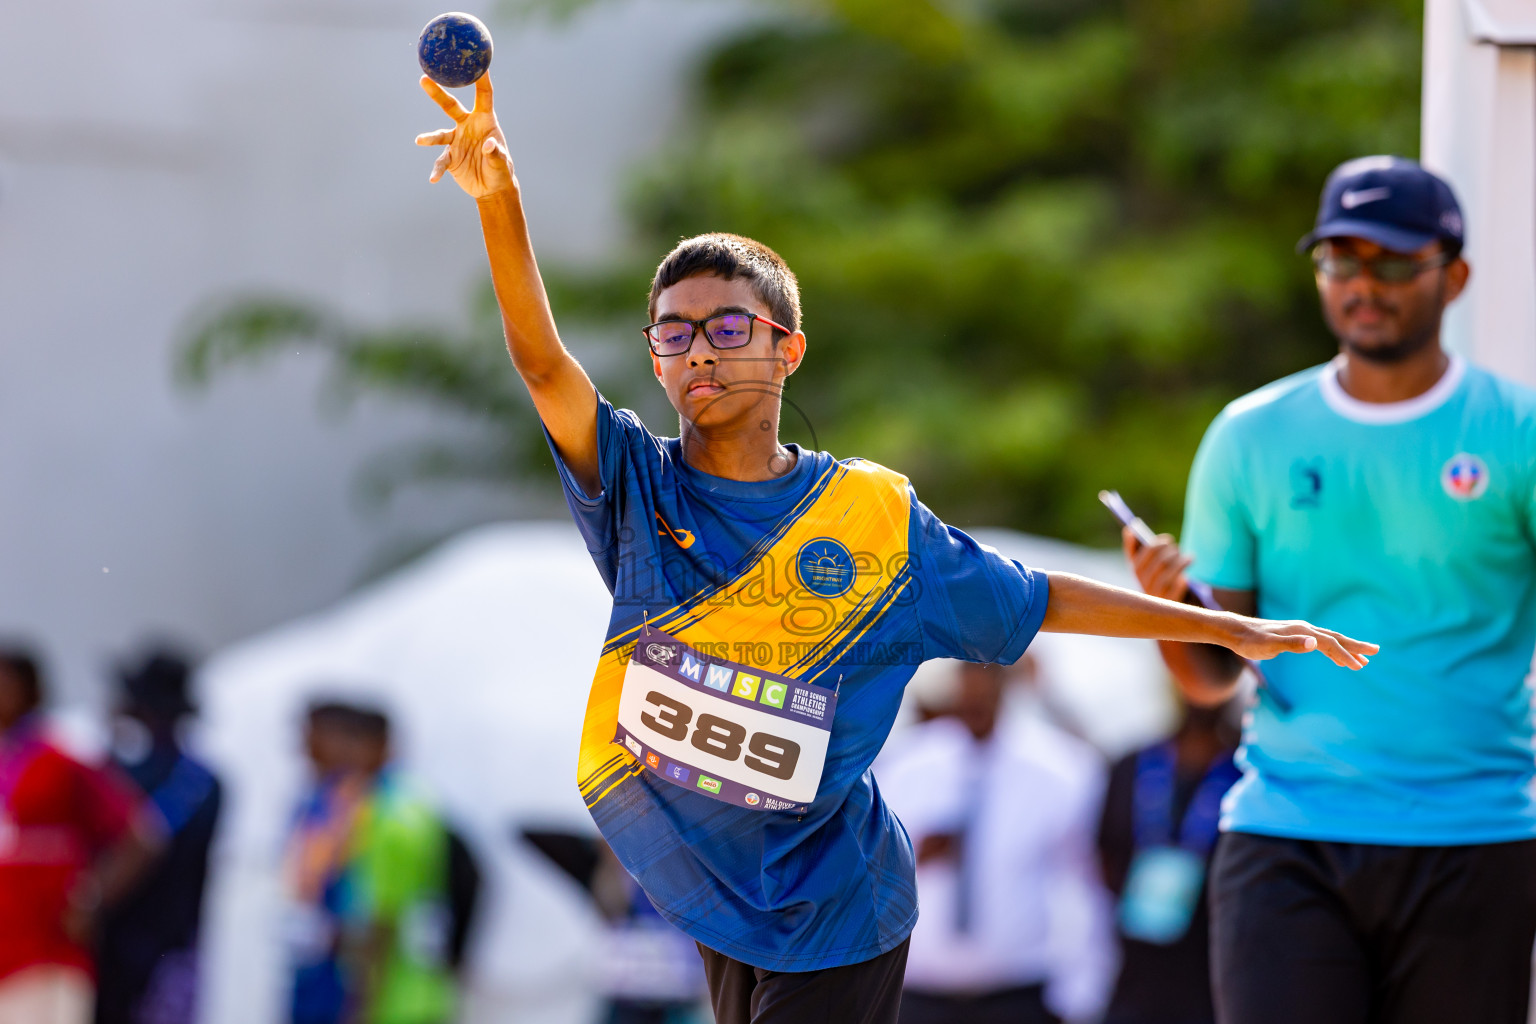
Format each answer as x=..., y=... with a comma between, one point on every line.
x=1479, y=130
x=159, y=154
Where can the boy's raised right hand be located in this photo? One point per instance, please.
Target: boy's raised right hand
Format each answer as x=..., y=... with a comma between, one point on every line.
x=475, y=152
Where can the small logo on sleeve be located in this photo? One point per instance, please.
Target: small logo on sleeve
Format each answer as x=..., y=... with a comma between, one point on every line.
x=1465, y=477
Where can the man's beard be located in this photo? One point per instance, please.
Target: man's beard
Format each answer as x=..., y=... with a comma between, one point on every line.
x=1419, y=335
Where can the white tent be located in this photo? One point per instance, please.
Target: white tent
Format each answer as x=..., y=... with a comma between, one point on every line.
x=483, y=653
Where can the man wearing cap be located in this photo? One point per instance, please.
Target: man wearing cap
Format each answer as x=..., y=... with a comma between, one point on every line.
x=147, y=962
x=1377, y=862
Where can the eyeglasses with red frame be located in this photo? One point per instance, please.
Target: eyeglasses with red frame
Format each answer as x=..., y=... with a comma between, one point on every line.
x=722, y=331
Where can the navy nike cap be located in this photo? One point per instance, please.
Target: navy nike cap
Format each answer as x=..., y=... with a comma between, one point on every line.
x=1390, y=201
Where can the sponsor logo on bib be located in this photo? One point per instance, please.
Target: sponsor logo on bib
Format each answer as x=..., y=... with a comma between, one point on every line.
x=1465, y=477
x=753, y=799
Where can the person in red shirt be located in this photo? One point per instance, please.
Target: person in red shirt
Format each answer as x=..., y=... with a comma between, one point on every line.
x=73, y=839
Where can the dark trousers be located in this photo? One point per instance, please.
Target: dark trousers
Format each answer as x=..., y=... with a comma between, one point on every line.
x=866, y=993
x=1022, y=1005
x=1351, y=933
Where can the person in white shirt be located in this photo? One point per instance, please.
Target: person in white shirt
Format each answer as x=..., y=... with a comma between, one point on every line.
x=1002, y=811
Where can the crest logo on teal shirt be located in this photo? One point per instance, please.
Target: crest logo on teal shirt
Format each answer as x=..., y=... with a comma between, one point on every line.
x=1306, y=483
x=1465, y=477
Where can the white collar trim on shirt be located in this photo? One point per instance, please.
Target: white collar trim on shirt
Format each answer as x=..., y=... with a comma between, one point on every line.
x=1341, y=402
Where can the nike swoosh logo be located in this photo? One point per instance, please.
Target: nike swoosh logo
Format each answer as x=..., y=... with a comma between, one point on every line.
x=1350, y=200
x=683, y=537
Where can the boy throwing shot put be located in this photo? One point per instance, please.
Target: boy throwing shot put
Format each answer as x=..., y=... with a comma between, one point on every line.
x=770, y=603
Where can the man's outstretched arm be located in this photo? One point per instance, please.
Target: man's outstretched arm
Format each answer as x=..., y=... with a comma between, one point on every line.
x=475, y=154
x=1079, y=605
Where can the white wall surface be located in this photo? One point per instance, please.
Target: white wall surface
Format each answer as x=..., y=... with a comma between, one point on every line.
x=158, y=154
x=1479, y=131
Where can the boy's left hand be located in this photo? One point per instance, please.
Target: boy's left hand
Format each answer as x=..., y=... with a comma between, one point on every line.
x=1262, y=639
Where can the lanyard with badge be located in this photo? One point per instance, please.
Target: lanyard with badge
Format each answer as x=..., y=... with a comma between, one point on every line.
x=729, y=731
x=1167, y=876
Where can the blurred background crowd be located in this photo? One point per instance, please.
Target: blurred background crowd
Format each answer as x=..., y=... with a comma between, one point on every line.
x=256, y=410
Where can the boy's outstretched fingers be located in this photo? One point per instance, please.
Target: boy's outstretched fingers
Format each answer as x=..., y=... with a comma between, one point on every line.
x=445, y=99
x=1340, y=649
x=1302, y=638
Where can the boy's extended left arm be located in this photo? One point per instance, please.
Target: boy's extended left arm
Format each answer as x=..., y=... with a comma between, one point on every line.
x=1079, y=605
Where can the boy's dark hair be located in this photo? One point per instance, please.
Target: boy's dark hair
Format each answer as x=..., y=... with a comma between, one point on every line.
x=352, y=719
x=25, y=666
x=728, y=256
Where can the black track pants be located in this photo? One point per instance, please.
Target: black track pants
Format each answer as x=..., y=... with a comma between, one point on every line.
x=1310, y=932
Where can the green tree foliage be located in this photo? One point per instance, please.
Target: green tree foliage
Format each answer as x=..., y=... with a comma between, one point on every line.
x=1040, y=242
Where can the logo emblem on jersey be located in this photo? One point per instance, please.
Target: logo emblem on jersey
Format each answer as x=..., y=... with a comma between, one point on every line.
x=1306, y=483
x=753, y=799
x=707, y=783
x=683, y=538
x=654, y=761
x=660, y=653
x=825, y=567
x=676, y=772
x=1465, y=477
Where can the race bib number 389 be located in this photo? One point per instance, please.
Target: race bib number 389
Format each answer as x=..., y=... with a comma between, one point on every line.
x=726, y=730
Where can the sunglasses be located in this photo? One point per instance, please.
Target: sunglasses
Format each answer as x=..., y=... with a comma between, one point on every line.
x=724, y=331
x=1388, y=269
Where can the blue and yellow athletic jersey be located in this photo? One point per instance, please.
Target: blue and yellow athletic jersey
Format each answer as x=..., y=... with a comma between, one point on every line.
x=832, y=574
x=1409, y=524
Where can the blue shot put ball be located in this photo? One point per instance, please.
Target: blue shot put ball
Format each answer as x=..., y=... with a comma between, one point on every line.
x=455, y=49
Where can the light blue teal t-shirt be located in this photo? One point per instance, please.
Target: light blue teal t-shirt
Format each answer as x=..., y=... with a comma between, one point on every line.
x=1408, y=524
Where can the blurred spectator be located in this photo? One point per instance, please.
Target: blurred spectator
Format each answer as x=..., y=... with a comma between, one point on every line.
x=147, y=966
x=652, y=973
x=1015, y=923
x=368, y=872
x=1156, y=839
x=73, y=840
